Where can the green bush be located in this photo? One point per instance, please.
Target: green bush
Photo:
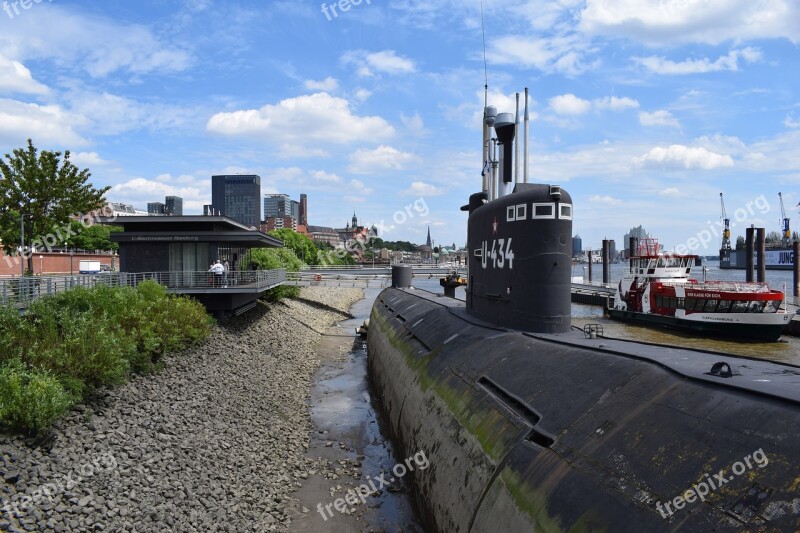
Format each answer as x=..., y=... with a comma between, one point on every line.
x=30, y=400
x=274, y=258
x=87, y=339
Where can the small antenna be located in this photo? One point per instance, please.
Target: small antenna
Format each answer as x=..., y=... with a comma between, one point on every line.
x=485, y=68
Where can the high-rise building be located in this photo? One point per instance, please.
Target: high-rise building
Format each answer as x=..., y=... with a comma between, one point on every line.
x=237, y=197
x=173, y=206
x=577, y=246
x=303, y=210
x=280, y=205
x=155, y=208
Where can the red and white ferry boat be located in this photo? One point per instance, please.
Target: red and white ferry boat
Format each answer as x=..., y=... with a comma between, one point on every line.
x=657, y=289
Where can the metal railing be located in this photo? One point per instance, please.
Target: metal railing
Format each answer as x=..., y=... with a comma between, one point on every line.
x=22, y=291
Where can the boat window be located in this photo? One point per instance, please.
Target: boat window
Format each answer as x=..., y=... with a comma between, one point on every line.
x=681, y=303
x=690, y=303
x=699, y=304
x=661, y=262
x=659, y=301
x=522, y=212
x=724, y=306
x=544, y=211
x=510, y=213
x=774, y=306
x=757, y=307
x=566, y=212
x=711, y=306
x=739, y=307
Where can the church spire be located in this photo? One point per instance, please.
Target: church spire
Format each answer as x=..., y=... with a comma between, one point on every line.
x=428, y=242
x=355, y=220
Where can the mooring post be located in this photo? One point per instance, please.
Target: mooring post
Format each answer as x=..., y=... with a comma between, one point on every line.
x=796, y=257
x=748, y=254
x=589, y=256
x=606, y=261
x=761, y=254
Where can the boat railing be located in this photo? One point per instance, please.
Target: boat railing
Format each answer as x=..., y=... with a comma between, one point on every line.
x=723, y=286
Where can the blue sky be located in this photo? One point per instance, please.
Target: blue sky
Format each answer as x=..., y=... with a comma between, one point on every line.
x=645, y=110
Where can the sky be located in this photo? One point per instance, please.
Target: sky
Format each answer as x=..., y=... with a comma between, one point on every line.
x=644, y=110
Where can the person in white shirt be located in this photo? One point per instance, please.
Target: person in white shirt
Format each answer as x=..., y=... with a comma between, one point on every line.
x=218, y=270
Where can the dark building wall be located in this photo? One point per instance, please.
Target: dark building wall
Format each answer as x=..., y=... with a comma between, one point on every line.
x=145, y=257
x=303, y=210
x=237, y=197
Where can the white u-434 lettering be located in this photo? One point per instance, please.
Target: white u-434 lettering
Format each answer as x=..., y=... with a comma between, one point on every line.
x=497, y=255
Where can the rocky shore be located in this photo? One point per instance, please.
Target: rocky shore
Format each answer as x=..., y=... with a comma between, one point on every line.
x=214, y=442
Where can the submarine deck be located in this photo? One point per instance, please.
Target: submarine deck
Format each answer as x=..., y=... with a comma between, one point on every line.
x=769, y=378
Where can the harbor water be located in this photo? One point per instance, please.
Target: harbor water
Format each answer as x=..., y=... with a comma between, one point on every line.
x=786, y=351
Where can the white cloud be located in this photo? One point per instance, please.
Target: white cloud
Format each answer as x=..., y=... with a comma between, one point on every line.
x=673, y=22
x=329, y=84
x=414, y=122
x=381, y=158
x=658, y=118
x=420, y=188
x=791, y=122
x=671, y=192
x=109, y=114
x=386, y=62
x=303, y=120
x=16, y=78
x=685, y=157
x=140, y=191
x=730, y=62
x=362, y=95
x=97, y=45
x=615, y=103
x=569, y=104
x=45, y=124
x=321, y=175
x=560, y=53
x=605, y=200
x=360, y=187
x=88, y=159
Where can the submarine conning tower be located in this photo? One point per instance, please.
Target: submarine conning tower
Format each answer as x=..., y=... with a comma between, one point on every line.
x=519, y=242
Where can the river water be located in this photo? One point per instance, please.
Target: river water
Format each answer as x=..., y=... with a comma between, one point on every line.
x=787, y=350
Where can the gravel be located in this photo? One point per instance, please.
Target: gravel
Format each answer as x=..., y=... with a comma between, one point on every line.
x=214, y=442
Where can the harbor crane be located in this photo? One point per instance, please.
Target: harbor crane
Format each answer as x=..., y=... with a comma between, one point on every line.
x=726, y=231
x=787, y=232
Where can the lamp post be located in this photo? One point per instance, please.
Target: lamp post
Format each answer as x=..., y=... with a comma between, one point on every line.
x=41, y=265
x=22, y=245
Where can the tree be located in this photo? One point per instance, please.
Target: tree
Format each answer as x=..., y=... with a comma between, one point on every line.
x=274, y=258
x=774, y=238
x=301, y=245
x=740, y=244
x=47, y=191
x=96, y=237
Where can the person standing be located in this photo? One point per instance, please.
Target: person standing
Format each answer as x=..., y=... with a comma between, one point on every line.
x=217, y=269
x=226, y=266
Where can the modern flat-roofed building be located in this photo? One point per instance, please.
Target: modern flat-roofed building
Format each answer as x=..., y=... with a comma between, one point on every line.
x=173, y=206
x=178, y=252
x=237, y=197
x=155, y=208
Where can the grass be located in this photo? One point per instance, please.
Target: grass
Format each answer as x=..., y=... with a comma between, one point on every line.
x=76, y=342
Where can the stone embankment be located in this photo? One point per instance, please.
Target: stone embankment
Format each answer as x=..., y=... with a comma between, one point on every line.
x=214, y=442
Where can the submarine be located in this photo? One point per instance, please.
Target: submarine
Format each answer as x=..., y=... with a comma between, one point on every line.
x=531, y=425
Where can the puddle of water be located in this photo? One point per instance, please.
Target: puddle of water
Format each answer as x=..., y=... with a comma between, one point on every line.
x=347, y=427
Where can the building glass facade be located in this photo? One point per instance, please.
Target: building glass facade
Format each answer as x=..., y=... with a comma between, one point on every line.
x=237, y=197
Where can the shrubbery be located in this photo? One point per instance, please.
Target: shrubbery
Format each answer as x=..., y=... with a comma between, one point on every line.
x=274, y=258
x=70, y=344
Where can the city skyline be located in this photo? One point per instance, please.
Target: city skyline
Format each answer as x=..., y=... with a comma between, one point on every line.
x=644, y=110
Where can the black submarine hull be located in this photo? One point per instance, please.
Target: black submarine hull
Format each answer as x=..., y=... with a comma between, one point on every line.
x=539, y=432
